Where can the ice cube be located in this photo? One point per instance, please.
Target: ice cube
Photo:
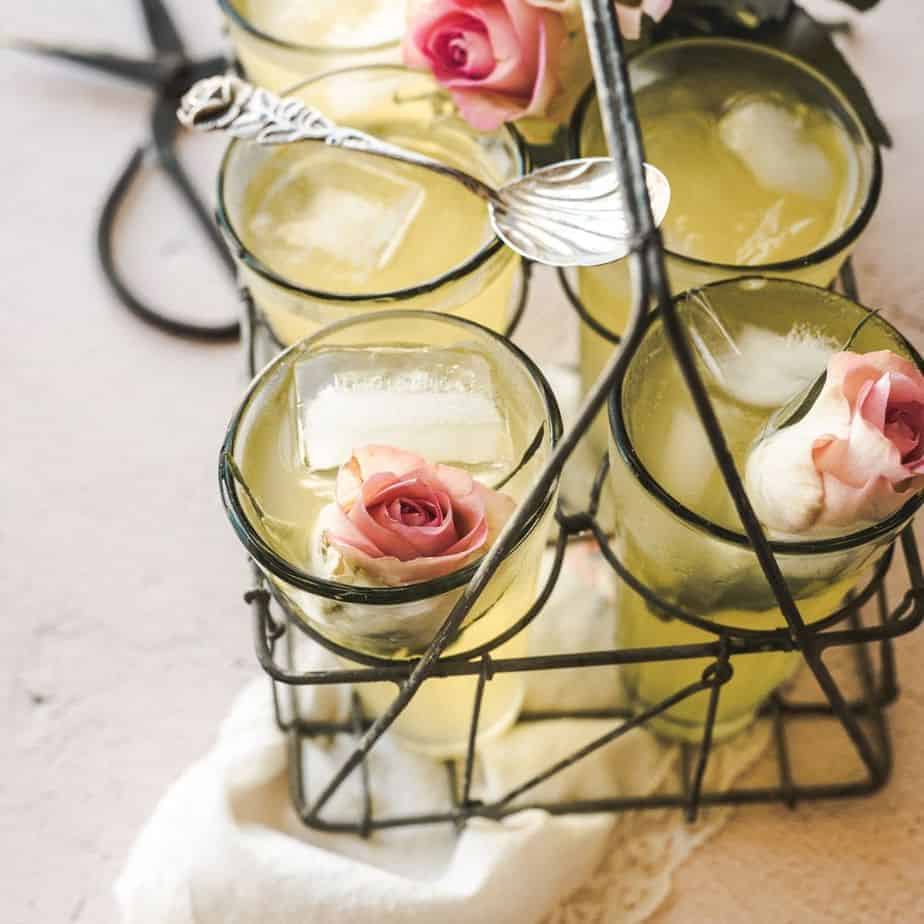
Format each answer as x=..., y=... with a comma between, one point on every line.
x=438, y=403
x=340, y=209
x=772, y=140
x=331, y=22
x=768, y=368
x=686, y=465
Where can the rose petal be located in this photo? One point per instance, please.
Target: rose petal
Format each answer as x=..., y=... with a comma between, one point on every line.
x=782, y=482
x=847, y=505
x=498, y=58
x=368, y=461
x=551, y=39
x=386, y=540
x=630, y=17
x=865, y=453
x=866, y=433
x=498, y=508
x=374, y=459
x=656, y=9
x=475, y=538
x=485, y=112
x=394, y=573
x=850, y=371
x=630, y=20
x=906, y=389
x=349, y=482
x=346, y=538
x=514, y=59
x=424, y=540
x=479, y=56
x=562, y=7
x=909, y=416
x=414, y=511
x=873, y=401
x=903, y=436
x=402, y=525
x=455, y=36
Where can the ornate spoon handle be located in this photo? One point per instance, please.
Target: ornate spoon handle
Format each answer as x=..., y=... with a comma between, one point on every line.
x=227, y=103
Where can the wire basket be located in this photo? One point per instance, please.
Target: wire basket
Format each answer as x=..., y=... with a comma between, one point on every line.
x=866, y=625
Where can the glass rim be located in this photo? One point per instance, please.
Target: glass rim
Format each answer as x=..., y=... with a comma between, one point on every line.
x=837, y=244
x=239, y=19
x=493, y=246
x=266, y=557
x=624, y=446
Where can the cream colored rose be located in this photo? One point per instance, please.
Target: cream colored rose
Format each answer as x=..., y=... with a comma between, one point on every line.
x=854, y=459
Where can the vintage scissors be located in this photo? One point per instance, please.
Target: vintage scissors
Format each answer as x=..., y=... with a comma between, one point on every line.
x=169, y=73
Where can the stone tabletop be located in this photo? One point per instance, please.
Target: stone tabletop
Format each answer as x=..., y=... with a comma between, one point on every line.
x=124, y=637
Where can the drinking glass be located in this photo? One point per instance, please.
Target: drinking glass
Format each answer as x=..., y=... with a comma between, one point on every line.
x=262, y=451
x=676, y=527
x=791, y=201
x=280, y=42
x=371, y=234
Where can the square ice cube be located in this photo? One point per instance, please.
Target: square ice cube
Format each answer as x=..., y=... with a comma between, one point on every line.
x=439, y=403
x=332, y=22
x=768, y=368
x=349, y=212
x=774, y=143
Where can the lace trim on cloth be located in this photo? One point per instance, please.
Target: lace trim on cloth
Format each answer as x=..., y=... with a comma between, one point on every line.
x=646, y=847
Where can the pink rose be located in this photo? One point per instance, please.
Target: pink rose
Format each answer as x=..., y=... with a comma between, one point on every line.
x=401, y=520
x=498, y=58
x=502, y=60
x=855, y=458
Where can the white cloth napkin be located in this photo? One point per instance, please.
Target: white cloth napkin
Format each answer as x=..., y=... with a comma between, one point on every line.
x=225, y=847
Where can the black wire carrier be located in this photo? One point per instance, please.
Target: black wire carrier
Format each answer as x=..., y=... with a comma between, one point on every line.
x=866, y=624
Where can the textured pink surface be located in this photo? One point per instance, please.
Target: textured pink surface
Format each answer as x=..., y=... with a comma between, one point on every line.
x=124, y=636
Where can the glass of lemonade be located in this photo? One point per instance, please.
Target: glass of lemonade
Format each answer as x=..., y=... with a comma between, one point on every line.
x=279, y=42
x=758, y=342
x=771, y=173
x=446, y=389
x=321, y=234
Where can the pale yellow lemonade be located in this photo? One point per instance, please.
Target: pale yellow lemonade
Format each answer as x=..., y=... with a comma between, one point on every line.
x=327, y=228
x=350, y=223
x=761, y=173
x=302, y=38
x=749, y=374
x=273, y=462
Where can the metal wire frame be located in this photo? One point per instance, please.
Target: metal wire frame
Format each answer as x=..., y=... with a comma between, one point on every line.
x=650, y=286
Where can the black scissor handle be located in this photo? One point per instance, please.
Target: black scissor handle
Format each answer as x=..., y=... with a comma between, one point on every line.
x=163, y=33
x=104, y=241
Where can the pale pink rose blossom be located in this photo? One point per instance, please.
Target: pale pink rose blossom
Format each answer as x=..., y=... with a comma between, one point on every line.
x=854, y=459
x=401, y=520
x=503, y=60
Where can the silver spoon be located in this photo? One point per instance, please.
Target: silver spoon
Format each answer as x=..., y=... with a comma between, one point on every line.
x=567, y=214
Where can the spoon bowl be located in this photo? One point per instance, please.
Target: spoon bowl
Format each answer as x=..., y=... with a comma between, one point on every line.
x=571, y=213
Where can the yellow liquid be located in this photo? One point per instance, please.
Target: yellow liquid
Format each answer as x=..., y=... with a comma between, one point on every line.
x=437, y=720
x=706, y=576
x=351, y=224
x=332, y=35
x=348, y=223
x=757, y=177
